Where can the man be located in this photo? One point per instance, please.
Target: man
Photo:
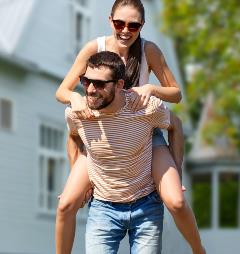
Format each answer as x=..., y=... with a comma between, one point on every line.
x=119, y=147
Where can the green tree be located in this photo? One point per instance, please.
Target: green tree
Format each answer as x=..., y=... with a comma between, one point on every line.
x=207, y=36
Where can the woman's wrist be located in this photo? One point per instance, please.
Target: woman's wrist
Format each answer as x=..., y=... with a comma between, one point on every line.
x=168, y=94
x=152, y=90
x=74, y=96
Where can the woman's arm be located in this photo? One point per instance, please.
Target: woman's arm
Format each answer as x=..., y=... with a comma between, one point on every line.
x=65, y=93
x=169, y=90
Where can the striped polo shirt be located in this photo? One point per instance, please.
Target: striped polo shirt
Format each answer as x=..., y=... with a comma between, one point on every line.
x=119, y=149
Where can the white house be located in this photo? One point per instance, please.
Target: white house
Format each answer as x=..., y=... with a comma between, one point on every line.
x=38, y=42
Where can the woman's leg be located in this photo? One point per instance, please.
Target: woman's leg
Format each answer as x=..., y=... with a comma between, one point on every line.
x=168, y=184
x=70, y=201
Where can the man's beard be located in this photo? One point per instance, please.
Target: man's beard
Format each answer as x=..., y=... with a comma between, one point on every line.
x=101, y=101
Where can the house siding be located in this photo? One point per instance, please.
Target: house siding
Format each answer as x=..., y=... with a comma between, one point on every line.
x=22, y=227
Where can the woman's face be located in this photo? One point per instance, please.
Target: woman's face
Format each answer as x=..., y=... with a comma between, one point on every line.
x=128, y=23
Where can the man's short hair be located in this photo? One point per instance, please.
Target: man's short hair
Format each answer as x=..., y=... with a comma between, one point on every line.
x=110, y=60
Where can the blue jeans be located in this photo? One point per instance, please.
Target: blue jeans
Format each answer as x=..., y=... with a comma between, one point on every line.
x=158, y=138
x=108, y=223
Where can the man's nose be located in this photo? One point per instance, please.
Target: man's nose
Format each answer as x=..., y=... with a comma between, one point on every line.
x=91, y=88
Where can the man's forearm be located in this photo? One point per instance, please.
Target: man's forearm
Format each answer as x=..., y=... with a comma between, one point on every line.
x=176, y=141
x=75, y=147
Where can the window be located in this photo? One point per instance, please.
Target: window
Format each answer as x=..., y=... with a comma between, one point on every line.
x=216, y=196
x=201, y=199
x=51, y=138
x=80, y=24
x=228, y=200
x=51, y=166
x=6, y=114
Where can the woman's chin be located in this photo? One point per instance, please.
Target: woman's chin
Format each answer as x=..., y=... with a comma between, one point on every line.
x=124, y=43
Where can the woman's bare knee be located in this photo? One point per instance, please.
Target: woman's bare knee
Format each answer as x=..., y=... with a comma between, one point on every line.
x=67, y=207
x=175, y=204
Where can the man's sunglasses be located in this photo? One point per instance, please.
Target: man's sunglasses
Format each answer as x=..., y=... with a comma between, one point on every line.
x=98, y=84
x=132, y=26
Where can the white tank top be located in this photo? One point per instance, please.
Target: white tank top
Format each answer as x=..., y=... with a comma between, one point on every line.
x=144, y=71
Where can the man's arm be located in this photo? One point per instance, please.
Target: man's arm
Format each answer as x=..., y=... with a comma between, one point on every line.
x=176, y=141
x=75, y=148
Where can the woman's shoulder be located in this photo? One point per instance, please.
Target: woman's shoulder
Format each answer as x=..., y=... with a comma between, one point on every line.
x=110, y=42
x=150, y=47
x=151, y=50
x=105, y=42
x=91, y=47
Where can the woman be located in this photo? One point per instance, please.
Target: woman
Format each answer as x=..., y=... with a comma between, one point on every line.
x=140, y=57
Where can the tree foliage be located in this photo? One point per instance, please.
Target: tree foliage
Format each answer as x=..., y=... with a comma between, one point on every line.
x=207, y=36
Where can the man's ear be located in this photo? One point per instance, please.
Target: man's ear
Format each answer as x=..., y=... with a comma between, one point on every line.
x=120, y=84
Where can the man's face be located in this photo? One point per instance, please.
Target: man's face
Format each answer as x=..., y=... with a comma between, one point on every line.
x=99, y=97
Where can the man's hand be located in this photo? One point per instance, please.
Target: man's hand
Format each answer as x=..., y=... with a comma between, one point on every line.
x=79, y=106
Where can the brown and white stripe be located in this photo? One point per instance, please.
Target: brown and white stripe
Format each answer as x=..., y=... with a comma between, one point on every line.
x=119, y=148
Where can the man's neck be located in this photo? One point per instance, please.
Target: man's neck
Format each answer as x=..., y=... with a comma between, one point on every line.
x=118, y=103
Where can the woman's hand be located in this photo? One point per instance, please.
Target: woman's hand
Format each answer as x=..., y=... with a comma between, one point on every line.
x=141, y=96
x=79, y=106
x=88, y=196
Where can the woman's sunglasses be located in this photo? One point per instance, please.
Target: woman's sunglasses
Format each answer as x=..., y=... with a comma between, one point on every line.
x=132, y=26
x=98, y=84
